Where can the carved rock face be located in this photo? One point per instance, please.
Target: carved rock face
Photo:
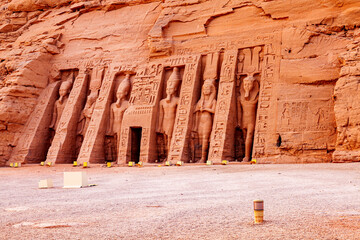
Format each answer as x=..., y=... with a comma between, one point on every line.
x=306, y=74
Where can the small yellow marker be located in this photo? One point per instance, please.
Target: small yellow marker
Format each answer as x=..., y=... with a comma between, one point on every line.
x=253, y=161
x=49, y=164
x=42, y=164
x=11, y=164
x=16, y=165
x=75, y=164
x=224, y=162
x=167, y=163
x=131, y=164
x=108, y=164
x=208, y=162
x=258, y=211
x=85, y=165
x=179, y=163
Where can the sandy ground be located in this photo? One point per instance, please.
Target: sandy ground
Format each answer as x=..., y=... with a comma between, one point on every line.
x=313, y=201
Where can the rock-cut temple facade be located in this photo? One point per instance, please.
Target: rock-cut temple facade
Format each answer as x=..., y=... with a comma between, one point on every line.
x=179, y=80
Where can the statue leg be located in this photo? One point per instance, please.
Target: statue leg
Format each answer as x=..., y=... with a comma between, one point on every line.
x=205, y=146
x=167, y=146
x=248, y=144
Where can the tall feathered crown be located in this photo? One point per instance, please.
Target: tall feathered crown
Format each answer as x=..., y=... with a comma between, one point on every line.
x=125, y=84
x=175, y=76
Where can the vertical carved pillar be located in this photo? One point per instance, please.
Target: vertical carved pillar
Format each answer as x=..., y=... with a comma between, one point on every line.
x=31, y=147
x=222, y=128
x=262, y=136
x=92, y=148
x=184, y=116
x=62, y=147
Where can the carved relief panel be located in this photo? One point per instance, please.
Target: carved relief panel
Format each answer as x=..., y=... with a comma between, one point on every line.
x=100, y=142
x=187, y=98
x=167, y=111
x=204, y=110
x=305, y=119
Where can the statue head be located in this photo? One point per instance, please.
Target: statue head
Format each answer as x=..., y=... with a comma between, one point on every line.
x=65, y=88
x=249, y=82
x=173, y=82
x=92, y=97
x=124, y=88
x=208, y=87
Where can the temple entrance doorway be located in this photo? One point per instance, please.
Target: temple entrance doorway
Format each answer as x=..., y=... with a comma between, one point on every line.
x=136, y=133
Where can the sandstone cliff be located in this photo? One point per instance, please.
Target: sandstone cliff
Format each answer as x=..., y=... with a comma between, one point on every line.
x=311, y=112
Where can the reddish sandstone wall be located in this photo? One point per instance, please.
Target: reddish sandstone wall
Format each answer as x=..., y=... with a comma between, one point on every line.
x=312, y=99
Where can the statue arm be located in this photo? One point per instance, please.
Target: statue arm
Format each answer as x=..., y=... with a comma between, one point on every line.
x=195, y=127
x=161, y=118
x=54, y=117
x=239, y=111
x=81, y=123
x=212, y=108
x=109, y=131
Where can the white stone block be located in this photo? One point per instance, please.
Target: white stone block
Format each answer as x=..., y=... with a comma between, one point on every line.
x=75, y=179
x=45, y=183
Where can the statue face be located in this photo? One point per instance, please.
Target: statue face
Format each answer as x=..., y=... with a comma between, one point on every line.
x=64, y=89
x=206, y=89
x=170, y=88
x=248, y=86
x=92, y=98
x=121, y=92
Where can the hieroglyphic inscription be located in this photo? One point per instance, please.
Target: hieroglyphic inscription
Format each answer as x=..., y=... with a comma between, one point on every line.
x=29, y=149
x=182, y=121
x=222, y=114
x=61, y=149
x=230, y=44
x=145, y=87
x=262, y=117
x=303, y=118
x=143, y=99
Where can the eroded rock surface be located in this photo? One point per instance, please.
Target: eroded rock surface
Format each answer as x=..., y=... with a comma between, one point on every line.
x=304, y=55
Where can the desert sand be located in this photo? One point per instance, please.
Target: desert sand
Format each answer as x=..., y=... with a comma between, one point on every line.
x=311, y=201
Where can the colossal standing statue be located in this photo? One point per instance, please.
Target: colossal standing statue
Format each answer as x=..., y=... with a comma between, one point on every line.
x=87, y=112
x=168, y=107
x=204, y=110
x=61, y=103
x=117, y=110
x=85, y=118
x=247, y=106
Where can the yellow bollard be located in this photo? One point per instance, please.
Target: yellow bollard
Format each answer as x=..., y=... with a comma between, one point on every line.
x=208, y=162
x=258, y=211
x=11, y=164
x=253, y=161
x=179, y=163
x=16, y=165
x=85, y=165
x=75, y=163
x=131, y=164
x=49, y=164
x=224, y=162
x=167, y=163
x=108, y=164
x=42, y=164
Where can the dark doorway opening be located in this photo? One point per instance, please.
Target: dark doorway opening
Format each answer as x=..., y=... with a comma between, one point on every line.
x=136, y=133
